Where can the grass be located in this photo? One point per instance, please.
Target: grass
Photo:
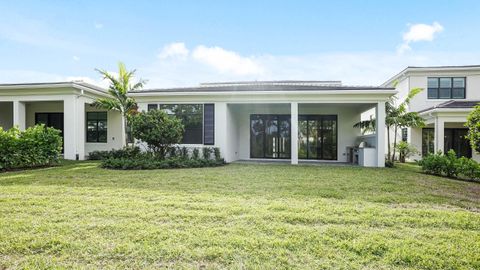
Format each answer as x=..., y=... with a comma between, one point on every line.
x=241, y=216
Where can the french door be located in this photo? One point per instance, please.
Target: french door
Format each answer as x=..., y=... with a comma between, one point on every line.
x=270, y=136
x=317, y=137
x=455, y=139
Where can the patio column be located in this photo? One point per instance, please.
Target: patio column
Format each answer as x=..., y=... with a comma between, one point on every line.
x=439, y=134
x=19, y=114
x=69, y=128
x=380, y=133
x=294, y=130
x=80, y=128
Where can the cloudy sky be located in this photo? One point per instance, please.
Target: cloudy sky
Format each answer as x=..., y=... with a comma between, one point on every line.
x=183, y=43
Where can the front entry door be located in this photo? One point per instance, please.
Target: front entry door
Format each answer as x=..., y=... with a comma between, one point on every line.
x=54, y=120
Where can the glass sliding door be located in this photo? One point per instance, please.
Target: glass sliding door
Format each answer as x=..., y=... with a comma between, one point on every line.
x=270, y=136
x=317, y=137
x=455, y=139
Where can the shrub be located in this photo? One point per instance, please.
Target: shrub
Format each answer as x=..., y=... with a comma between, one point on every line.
x=172, y=152
x=34, y=147
x=159, y=130
x=450, y=166
x=184, y=153
x=151, y=162
x=216, y=152
x=473, y=124
x=389, y=163
x=195, y=153
x=126, y=152
x=207, y=152
x=406, y=150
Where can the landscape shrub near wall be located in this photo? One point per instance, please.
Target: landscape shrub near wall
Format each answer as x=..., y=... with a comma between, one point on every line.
x=132, y=158
x=34, y=147
x=451, y=166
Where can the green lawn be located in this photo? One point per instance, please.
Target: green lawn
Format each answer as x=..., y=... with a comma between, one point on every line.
x=239, y=216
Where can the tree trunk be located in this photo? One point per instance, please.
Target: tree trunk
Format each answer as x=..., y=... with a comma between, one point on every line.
x=388, y=142
x=394, y=142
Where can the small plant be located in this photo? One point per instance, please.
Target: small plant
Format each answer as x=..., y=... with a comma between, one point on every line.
x=184, y=152
x=195, y=153
x=206, y=153
x=389, y=164
x=172, y=152
x=406, y=150
x=216, y=152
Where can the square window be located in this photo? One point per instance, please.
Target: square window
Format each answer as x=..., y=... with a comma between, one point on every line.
x=152, y=107
x=444, y=93
x=458, y=82
x=445, y=82
x=432, y=93
x=432, y=82
x=458, y=93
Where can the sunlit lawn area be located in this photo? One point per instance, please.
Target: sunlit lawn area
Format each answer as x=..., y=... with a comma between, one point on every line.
x=239, y=216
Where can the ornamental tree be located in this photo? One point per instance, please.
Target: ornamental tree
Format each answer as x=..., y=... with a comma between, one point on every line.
x=473, y=124
x=159, y=130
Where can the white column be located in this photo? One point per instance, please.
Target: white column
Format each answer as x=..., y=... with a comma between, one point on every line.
x=294, y=134
x=439, y=134
x=380, y=133
x=221, y=129
x=19, y=114
x=80, y=127
x=69, y=128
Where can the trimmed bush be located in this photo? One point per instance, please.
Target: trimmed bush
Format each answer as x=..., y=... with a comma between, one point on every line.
x=207, y=152
x=184, y=153
x=150, y=162
x=216, y=152
x=126, y=152
x=451, y=166
x=37, y=146
x=195, y=153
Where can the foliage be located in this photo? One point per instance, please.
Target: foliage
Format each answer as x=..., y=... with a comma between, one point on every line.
x=126, y=152
x=451, y=166
x=473, y=124
x=36, y=146
x=389, y=164
x=172, y=152
x=216, y=153
x=146, y=162
x=207, y=152
x=406, y=150
x=195, y=153
x=159, y=130
x=118, y=90
x=184, y=152
x=396, y=117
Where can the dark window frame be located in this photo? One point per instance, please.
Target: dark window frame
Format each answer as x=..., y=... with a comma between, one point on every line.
x=404, y=134
x=286, y=117
x=159, y=107
x=426, y=148
x=97, y=140
x=319, y=118
x=212, y=105
x=434, y=92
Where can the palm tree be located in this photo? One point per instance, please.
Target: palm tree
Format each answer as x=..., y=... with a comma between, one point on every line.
x=118, y=91
x=396, y=118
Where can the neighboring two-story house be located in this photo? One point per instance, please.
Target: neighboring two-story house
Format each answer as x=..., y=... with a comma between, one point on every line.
x=449, y=95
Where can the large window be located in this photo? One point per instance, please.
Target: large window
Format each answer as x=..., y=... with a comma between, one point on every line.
x=317, y=137
x=97, y=127
x=446, y=88
x=455, y=139
x=270, y=136
x=191, y=116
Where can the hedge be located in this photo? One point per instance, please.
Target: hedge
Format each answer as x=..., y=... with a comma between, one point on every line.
x=451, y=166
x=36, y=146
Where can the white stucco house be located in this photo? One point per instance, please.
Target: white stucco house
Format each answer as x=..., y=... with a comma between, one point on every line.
x=257, y=120
x=450, y=93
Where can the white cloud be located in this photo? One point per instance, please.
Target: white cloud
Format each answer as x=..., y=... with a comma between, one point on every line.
x=98, y=25
x=174, y=50
x=419, y=32
x=227, y=61
x=76, y=58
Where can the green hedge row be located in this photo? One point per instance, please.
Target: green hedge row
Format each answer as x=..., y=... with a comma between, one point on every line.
x=34, y=147
x=451, y=166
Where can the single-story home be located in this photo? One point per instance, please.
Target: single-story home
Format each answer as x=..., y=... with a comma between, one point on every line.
x=297, y=121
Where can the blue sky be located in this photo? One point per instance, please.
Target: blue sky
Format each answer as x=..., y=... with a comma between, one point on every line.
x=180, y=43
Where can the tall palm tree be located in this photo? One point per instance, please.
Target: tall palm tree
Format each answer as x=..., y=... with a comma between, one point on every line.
x=396, y=117
x=118, y=90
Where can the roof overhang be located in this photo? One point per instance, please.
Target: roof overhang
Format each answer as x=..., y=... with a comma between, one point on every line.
x=57, y=88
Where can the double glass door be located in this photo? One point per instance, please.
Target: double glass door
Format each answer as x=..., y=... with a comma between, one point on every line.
x=270, y=136
x=317, y=136
x=54, y=120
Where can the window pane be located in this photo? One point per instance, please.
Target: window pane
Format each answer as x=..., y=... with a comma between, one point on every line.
x=432, y=92
x=302, y=138
x=91, y=116
x=432, y=82
x=284, y=137
x=459, y=82
x=102, y=116
x=152, y=107
x=458, y=93
x=271, y=137
x=445, y=92
x=445, y=82
x=257, y=131
x=427, y=141
x=313, y=139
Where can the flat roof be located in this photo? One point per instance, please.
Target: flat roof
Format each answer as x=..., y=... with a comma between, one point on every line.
x=74, y=84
